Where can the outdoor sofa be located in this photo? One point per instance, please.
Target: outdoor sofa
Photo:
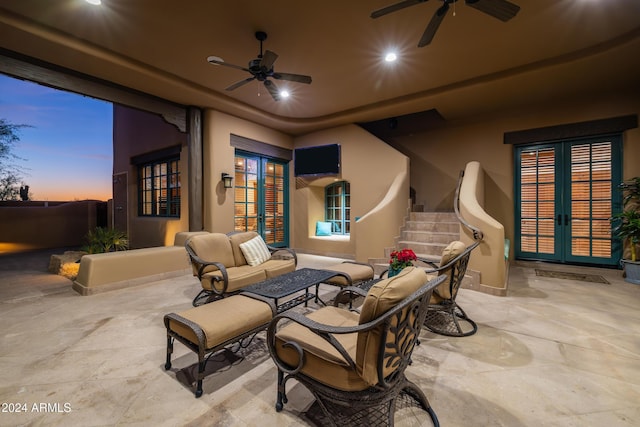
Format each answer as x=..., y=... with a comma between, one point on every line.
x=226, y=263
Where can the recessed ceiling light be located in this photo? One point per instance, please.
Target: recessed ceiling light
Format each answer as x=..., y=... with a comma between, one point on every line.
x=390, y=57
x=96, y=2
x=284, y=93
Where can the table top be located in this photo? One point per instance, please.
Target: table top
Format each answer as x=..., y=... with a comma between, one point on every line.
x=289, y=283
x=368, y=284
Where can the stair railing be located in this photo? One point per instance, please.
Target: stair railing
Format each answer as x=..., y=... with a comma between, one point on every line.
x=477, y=233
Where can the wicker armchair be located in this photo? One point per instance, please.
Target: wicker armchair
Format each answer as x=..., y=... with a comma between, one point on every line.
x=354, y=363
x=445, y=316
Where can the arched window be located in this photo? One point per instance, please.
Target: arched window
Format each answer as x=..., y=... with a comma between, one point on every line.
x=338, y=207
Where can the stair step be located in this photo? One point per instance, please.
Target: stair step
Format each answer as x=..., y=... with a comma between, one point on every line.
x=428, y=255
x=433, y=258
x=427, y=234
x=429, y=237
x=427, y=249
x=470, y=281
x=379, y=265
x=433, y=216
x=433, y=226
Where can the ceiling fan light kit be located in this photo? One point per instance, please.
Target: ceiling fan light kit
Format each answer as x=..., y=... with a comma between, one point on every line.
x=261, y=69
x=499, y=9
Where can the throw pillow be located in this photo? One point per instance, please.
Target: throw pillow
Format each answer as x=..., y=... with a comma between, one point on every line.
x=255, y=251
x=323, y=228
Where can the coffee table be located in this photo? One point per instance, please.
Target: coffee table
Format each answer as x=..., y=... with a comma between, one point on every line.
x=290, y=283
x=365, y=286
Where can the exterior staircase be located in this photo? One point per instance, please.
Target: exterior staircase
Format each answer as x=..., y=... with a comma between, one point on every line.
x=427, y=234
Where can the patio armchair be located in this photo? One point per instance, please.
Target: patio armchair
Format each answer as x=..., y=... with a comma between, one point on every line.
x=354, y=364
x=445, y=316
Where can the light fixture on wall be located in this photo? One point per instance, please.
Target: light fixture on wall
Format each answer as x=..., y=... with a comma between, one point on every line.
x=226, y=180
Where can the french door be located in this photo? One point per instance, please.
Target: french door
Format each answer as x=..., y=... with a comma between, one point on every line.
x=565, y=194
x=261, y=200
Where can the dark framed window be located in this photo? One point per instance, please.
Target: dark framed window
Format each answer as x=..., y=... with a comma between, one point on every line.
x=337, y=204
x=159, y=188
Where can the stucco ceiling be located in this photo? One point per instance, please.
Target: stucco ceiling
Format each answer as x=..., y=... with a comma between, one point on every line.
x=551, y=50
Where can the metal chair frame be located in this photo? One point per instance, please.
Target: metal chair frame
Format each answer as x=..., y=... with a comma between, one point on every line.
x=399, y=328
x=444, y=318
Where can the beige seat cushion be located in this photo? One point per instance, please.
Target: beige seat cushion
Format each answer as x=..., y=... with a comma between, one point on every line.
x=236, y=239
x=212, y=247
x=443, y=291
x=357, y=272
x=224, y=319
x=435, y=298
x=321, y=360
x=239, y=277
x=382, y=297
x=277, y=267
x=181, y=237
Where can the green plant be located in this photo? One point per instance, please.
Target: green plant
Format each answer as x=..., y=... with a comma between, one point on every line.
x=100, y=240
x=627, y=222
x=401, y=259
x=631, y=191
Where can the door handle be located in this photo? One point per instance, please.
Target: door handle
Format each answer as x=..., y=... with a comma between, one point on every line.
x=559, y=219
x=566, y=219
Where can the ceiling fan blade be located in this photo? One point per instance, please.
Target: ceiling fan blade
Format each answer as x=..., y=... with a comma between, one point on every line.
x=273, y=90
x=240, y=83
x=392, y=8
x=299, y=78
x=435, y=22
x=266, y=63
x=219, y=61
x=500, y=9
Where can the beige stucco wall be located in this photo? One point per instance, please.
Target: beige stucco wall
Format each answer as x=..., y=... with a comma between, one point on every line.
x=437, y=156
x=488, y=257
x=371, y=167
x=219, y=157
x=36, y=225
x=379, y=228
x=137, y=132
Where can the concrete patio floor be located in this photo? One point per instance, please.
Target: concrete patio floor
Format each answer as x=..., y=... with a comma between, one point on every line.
x=554, y=352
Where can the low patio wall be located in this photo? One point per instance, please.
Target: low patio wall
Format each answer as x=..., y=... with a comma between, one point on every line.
x=116, y=270
x=29, y=225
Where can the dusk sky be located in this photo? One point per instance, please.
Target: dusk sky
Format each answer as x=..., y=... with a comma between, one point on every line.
x=68, y=150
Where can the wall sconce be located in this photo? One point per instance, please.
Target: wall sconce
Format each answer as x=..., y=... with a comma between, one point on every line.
x=226, y=180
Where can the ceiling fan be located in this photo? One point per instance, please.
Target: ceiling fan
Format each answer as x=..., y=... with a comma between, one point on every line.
x=500, y=9
x=261, y=69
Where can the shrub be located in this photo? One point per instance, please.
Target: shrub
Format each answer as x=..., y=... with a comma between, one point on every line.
x=102, y=240
x=627, y=223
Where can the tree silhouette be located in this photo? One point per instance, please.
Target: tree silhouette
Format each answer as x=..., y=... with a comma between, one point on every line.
x=11, y=173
